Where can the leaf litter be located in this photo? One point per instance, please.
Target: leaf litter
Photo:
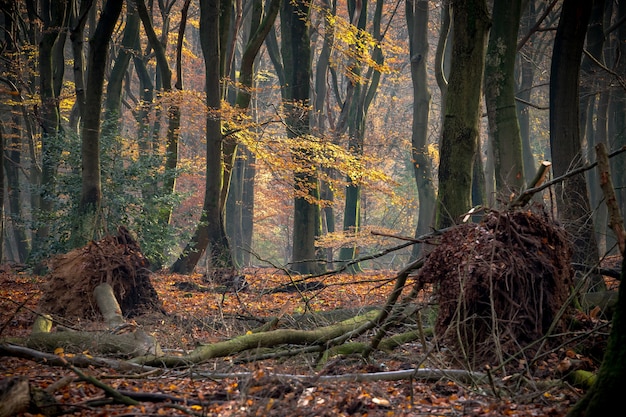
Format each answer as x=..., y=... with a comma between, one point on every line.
x=249, y=387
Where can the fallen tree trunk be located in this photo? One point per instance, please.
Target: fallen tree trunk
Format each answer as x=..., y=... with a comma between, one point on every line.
x=273, y=338
x=138, y=343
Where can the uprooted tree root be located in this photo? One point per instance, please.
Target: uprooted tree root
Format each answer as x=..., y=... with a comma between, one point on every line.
x=499, y=283
x=116, y=260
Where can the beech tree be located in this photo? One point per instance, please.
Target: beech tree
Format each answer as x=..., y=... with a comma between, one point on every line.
x=52, y=14
x=210, y=233
x=500, y=98
x=296, y=55
x=572, y=198
x=459, y=142
x=417, y=23
x=89, y=225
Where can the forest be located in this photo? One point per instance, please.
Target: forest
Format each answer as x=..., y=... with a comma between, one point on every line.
x=312, y=207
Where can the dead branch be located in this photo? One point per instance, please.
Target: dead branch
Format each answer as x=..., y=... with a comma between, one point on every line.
x=425, y=374
x=616, y=222
x=534, y=190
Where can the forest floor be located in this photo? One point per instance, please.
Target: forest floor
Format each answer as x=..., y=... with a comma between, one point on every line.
x=254, y=386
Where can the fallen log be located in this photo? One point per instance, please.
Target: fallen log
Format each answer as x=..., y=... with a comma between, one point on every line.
x=202, y=353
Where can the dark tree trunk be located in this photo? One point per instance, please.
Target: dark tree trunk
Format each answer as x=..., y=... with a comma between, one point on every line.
x=572, y=197
x=500, y=98
x=459, y=143
x=296, y=54
x=417, y=22
x=210, y=232
x=91, y=190
x=54, y=15
x=606, y=394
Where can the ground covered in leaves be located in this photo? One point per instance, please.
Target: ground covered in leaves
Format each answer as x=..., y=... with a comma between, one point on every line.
x=247, y=385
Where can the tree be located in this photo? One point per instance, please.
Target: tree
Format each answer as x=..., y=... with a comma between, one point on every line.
x=500, y=98
x=210, y=232
x=572, y=198
x=261, y=22
x=417, y=23
x=360, y=92
x=459, y=143
x=89, y=224
x=53, y=15
x=296, y=54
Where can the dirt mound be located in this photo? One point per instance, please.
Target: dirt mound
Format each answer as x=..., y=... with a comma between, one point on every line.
x=116, y=260
x=499, y=283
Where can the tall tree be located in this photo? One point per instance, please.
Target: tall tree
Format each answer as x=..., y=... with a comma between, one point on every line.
x=11, y=144
x=572, y=198
x=89, y=224
x=417, y=24
x=260, y=23
x=500, y=97
x=210, y=233
x=53, y=15
x=459, y=142
x=362, y=84
x=173, y=109
x=328, y=10
x=296, y=54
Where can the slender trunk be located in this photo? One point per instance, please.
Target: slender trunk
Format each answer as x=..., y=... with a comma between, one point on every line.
x=417, y=22
x=210, y=232
x=572, y=198
x=89, y=225
x=54, y=16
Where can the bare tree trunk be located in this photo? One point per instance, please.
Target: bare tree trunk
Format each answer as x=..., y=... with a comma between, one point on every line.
x=90, y=224
x=459, y=143
x=54, y=17
x=500, y=98
x=572, y=197
x=210, y=231
x=296, y=54
x=417, y=22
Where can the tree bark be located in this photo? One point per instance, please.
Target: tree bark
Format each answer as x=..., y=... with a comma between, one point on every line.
x=459, y=143
x=88, y=227
x=54, y=16
x=500, y=98
x=296, y=55
x=210, y=231
x=417, y=23
x=572, y=198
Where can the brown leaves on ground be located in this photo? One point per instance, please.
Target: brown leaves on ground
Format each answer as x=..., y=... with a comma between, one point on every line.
x=263, y=387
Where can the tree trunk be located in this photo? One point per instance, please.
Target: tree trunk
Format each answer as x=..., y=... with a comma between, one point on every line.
x=89, y=225
x=78, y=21
x=572, y=198
x=417, y=22
x=500, y=98
x=524, y=89
x=320, y=118
x=260, y=25
x=50, y=118
x=210, y=231
x=296, y=54
x=617, y=113
x=459, y=143
x=172, y=111
x=605, y=396
x=363, y=86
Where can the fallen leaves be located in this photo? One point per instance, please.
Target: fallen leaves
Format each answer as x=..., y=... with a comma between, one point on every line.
x=207, y=317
